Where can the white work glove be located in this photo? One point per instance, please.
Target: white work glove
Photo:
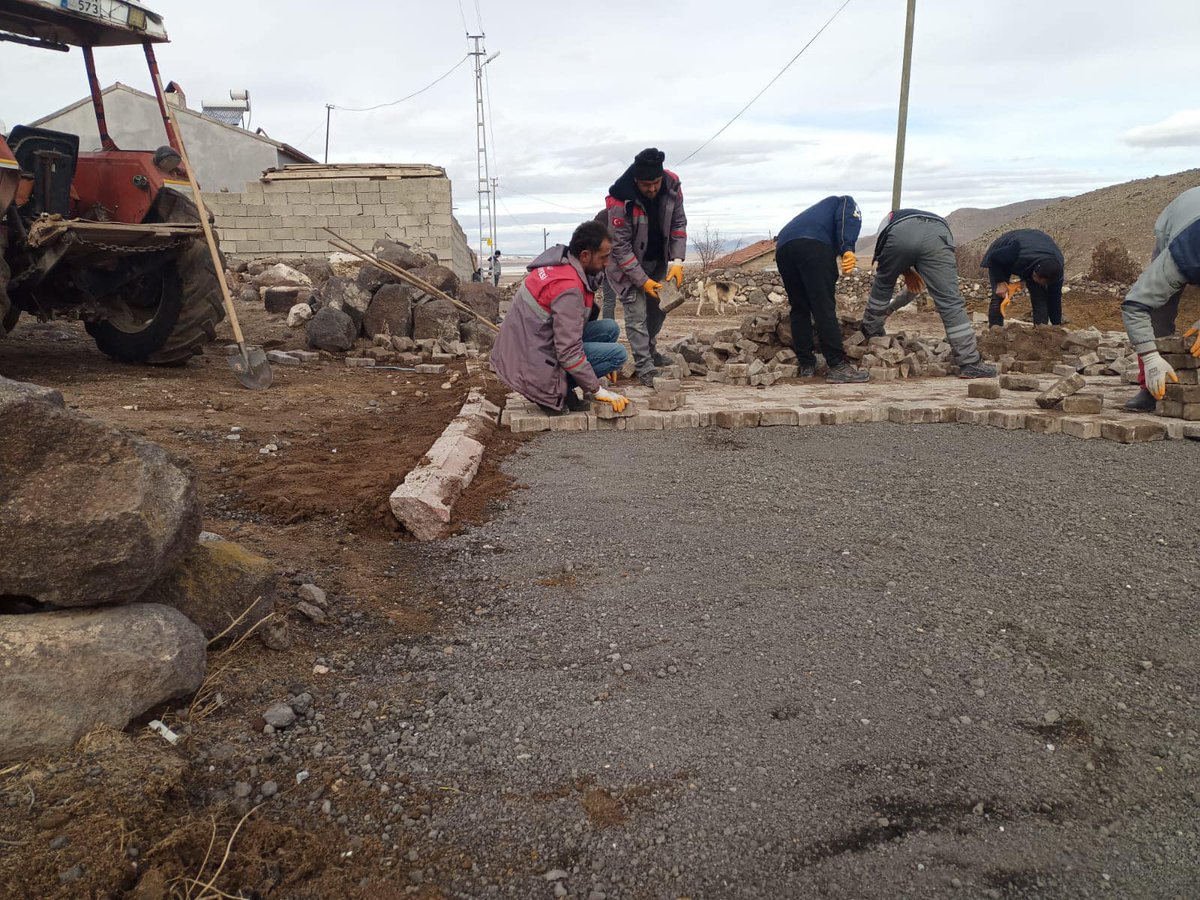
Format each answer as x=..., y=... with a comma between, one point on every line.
x=1158, y=370
x=617, y=401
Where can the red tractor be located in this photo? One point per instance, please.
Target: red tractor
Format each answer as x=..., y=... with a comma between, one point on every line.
x=111, y=237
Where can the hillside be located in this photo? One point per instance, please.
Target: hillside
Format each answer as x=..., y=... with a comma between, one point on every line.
x=969, y=222
x=1126, y=212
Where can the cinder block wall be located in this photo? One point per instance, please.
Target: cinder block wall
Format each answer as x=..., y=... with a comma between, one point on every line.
x=285, y=218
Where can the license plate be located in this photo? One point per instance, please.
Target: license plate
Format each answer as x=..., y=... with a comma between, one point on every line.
x=94, y=8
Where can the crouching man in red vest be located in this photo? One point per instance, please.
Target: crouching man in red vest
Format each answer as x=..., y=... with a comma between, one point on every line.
x=551, y=342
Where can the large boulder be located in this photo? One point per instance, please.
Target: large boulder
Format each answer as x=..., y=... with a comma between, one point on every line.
x=391, y=311
x=280, y=275
x=435, y=319
x=331, y=329
x=478, y=335
x=221, y=586
x=346, y=296
x=439, y=277
x=89, y=515
x=67, y=673
x=483, y=298
x=401, y=255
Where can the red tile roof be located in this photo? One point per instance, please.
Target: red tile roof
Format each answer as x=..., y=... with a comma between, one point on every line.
x=745, y=255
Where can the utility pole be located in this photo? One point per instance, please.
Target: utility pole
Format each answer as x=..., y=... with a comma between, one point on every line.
x=545, y=238
x=328, y=115
x=902, y=126
x=487, y=227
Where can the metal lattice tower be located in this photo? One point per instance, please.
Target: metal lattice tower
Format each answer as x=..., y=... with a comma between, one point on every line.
x=487, y=230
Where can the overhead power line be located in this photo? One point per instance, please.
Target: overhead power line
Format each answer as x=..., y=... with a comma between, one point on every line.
x=431, y=84
x=754, y=99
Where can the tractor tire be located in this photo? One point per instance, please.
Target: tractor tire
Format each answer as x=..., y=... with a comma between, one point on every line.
x=184, y=317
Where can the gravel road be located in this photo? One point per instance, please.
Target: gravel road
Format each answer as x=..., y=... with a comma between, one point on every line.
x=851, y=662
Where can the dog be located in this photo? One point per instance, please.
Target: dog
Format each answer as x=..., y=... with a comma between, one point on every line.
x=719, y=293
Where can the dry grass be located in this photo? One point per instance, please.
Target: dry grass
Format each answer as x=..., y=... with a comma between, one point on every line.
x=1111, y=263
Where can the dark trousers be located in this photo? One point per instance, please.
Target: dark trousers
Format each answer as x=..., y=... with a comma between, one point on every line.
x=810, y=272
x=1047, y=308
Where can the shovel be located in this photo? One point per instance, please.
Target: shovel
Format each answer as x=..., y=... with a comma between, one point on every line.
x=249, y=365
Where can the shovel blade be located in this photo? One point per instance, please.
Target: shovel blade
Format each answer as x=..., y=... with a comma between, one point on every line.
x=251, y=368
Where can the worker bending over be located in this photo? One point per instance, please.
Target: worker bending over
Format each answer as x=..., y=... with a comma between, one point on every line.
x=644, y=213
x=809, y=253
x=920, y=246
x=551, y=342
x=1152, y=305
x=1034, y=258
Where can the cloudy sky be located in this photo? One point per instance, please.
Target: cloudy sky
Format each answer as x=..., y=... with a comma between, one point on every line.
x=1010, y=100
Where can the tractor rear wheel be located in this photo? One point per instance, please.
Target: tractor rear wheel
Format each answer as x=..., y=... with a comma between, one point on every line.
x=166, y=317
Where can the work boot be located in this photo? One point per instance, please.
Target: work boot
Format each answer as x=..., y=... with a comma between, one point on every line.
x=977, y=370
x=1142, y=401
x=576, y=402
x=662, y=361
x=647, y=378
x=844, y=373
x=806, y=371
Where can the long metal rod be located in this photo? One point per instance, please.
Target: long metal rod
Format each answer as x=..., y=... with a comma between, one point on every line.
x=89, y=60
x=173, y=137
x=902, y=125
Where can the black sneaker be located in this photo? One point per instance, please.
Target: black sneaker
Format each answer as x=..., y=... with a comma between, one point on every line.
x=846, y=374
x=576, y=402
x=977, y=370
x=1142, y=401
x=806, y=371
x=647, y=378
x=662, y=361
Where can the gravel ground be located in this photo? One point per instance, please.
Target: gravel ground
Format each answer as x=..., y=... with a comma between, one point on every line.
x=855, y=662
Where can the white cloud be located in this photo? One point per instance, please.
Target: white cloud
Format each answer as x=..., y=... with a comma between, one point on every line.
x=1179, y=130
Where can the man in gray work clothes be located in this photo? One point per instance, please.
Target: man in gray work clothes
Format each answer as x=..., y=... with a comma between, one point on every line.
x=919, y=246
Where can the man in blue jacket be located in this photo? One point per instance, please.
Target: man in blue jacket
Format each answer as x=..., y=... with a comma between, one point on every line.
x=809, y=251
x=1034, y=258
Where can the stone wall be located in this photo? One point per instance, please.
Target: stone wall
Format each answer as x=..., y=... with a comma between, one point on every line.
x=274, y=218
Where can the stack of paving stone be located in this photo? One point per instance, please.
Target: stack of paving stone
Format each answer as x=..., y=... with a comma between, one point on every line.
x=1182, y=400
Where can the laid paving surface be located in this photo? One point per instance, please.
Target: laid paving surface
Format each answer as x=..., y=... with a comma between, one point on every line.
x=861, y=662
x=915, y=401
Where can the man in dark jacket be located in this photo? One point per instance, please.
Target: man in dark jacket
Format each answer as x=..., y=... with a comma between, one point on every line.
x=548, y=343
x=644, y=214
x=808, y=253
x=919, y=246
x=1034, y=258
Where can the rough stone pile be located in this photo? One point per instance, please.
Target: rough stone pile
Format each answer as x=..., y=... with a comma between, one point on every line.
x=1182, y=400
x=367, y=309
x=108, y=597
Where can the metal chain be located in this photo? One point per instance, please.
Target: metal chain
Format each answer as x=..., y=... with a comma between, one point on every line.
x=117, y=248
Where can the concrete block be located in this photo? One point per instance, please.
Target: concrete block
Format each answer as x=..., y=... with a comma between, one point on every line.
x=1191, y=432
x=916, y=415
x=1171, y=409
x=279, y=358
x=683, y=418
x=772, y=417
x=359, y=362
x=984, y=390
x=1054, y=396
x=806, y=417
x=424, y=501
x=606, y=411
x=569, y=422
x=1083, y=404
x=1183, y=393
x=666, y=402
x=431, y=369
x=1084, y=429
x=882, y=373
x=306, y=356
x=717, y=377
x=522, y=423
x=1063, y=371
x=1174, y=344
x=1182, y=361
x=667, y=385
x=1019, y=383
x=737, y=370
x=968, y=416
x=1008, y=419
x=1133, y=431
x=1043, y=423
x=646, y=420
x=737, y=418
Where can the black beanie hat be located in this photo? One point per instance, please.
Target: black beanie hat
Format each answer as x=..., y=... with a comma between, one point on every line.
x=648, y=165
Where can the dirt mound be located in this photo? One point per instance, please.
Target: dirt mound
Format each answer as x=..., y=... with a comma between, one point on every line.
x=1043, y=342
x=1125, y=212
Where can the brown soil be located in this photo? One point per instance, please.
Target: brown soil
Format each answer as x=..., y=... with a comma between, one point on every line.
x=138, y=814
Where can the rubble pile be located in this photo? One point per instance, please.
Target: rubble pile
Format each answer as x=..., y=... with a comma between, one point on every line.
x=108, y=598
x=370, y=313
